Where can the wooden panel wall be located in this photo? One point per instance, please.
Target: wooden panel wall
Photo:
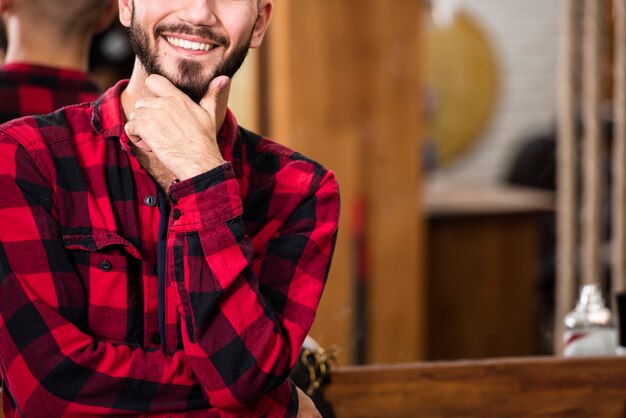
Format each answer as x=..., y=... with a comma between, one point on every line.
x=485, y=302
x=342, y=88
x=245, y=93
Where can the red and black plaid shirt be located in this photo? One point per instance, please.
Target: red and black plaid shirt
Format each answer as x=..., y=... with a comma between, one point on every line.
x=245, y=252
x=27, y=89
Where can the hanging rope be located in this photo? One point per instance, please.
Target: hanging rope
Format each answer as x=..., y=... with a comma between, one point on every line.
x=567, y=168
x=592, y=160
x=619, y=151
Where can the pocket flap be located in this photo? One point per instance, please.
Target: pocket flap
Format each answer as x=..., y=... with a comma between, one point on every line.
x=98, y=240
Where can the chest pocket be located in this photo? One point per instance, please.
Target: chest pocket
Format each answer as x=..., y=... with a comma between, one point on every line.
x=110, y=269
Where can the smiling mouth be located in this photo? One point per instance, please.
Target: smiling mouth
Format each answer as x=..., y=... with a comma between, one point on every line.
x=189, y=45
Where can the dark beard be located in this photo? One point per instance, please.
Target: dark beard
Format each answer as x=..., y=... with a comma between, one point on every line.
x=190, y=80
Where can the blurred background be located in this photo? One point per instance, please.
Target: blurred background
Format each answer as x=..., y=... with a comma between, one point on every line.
x=439, y=119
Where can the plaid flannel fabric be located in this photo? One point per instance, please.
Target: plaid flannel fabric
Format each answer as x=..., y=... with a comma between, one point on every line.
x=84, y=328
x=27, y=89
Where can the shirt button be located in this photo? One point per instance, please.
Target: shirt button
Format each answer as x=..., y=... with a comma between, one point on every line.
x=176, y=214
x=105, y=266
x=156, y=339
x=150, y=200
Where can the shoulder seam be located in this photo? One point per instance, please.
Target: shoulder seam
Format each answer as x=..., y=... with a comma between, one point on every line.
x=29, y=146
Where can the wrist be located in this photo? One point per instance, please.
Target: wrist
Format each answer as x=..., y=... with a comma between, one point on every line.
x=188, y=171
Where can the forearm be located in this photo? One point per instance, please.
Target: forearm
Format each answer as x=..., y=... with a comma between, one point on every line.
x=62, y=370
x=246, y=313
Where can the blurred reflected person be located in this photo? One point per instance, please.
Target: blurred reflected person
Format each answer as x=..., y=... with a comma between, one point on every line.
x=47, y=53
x=3, y=43
x=155, y=257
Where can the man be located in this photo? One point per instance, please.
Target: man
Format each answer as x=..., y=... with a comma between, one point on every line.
x=47, y=55
x=155, y=258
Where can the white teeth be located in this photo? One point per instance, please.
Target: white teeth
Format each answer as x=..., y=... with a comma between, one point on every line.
x=193, y=46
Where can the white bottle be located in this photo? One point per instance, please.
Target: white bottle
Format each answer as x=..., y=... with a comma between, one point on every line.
x=590, y=328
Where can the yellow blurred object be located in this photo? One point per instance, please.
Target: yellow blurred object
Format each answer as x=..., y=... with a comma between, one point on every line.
x=461, y=80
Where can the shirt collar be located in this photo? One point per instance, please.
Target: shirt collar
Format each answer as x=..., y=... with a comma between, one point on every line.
x=108, y=120
x=44, y=71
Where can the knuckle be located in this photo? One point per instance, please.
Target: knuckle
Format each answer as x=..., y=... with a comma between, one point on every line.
x=171, y=101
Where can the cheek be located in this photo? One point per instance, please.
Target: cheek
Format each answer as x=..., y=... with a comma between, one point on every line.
x=149, y=13
x=238, y=21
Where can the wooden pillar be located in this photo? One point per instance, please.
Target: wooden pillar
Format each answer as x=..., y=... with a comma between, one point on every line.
x=567, y=184
x=593, y=187
x=619, y=151
x=342, y=88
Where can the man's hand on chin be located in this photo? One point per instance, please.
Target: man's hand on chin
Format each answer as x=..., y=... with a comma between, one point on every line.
x=181, y=134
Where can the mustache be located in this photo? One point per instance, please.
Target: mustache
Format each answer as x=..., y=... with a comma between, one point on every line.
x=186, y=29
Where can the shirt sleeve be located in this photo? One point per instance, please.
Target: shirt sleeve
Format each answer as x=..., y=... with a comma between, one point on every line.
x=247, y=311
x=50, y=365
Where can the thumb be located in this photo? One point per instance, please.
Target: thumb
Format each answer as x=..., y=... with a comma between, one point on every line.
x=216, y=92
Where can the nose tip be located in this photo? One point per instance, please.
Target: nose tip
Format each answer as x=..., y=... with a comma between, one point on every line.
x=199, y=13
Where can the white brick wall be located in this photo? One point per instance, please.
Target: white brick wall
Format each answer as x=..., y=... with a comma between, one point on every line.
x=524, y=35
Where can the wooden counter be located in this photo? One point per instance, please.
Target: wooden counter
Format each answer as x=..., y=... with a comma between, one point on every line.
x=524, y=387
